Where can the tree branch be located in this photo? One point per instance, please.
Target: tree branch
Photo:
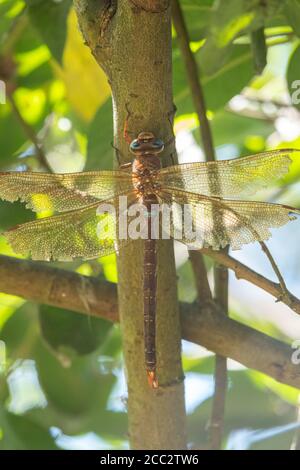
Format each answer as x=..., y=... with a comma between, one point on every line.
x=216, y=424
x=246, y=345
x=200, y=324
x=42, y=283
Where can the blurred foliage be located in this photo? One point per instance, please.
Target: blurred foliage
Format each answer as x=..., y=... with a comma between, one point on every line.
x=60, y=372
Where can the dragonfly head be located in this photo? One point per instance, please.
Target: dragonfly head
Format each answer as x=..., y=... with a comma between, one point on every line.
x=146, y=143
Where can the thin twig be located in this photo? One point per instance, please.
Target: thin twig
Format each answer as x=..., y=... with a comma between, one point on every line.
x=17, y=28
x=193, y=79
x=285, y=292
x=244, y=272
x=29, y=132
x=202, y=285
x=220, y=273
x=216, y=424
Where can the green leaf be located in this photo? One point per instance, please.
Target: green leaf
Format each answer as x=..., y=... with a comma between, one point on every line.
x=82, y=389
x=197, y=14
x=12, y=136
x=50, y=19
x=100, y=136
x=293, y=77
x=227, y=22
x=63, y=330
x=292, y=12
x=111, y=424
x=243, y=396
x=231, y=19
x=9, y=10
x=230, y=128
x=13, y=214
x=77, y=390
x=259, y=48
x=218, y=88
x=17, y=329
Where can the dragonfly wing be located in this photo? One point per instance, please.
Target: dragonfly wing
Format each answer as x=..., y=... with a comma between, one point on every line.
x=86, y=233
x=216, y=223
x=228, y=178
x=62, y=192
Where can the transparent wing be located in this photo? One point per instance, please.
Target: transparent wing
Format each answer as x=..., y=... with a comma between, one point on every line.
x=228, y=178
x=202, y=221
x=85, y=233
x=62, y=192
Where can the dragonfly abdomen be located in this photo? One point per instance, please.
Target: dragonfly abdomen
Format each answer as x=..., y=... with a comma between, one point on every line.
x=150, y=289
x=145, y=166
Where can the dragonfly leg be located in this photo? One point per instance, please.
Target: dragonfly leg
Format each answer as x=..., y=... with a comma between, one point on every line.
x=122, y=166
x=118, y=153
x=172, y=158
x=125, y=166
x=170, y=116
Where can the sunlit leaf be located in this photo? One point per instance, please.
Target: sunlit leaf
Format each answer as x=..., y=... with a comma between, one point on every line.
x=86, y=84
x=287, y=393
x=230, y=19
x=100, y=136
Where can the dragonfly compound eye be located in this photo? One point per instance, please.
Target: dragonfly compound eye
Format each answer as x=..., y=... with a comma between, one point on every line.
x=158, y=145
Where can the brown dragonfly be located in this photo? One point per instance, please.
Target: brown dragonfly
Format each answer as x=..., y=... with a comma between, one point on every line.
x=211, y=191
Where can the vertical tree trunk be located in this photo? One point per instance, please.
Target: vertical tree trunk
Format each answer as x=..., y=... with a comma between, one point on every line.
x=131, y=40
